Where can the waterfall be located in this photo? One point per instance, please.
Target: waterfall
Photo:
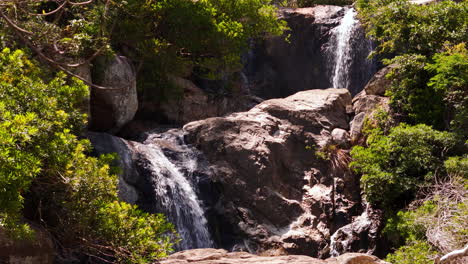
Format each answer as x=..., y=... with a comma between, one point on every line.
x=175, y=193
x=343, y=56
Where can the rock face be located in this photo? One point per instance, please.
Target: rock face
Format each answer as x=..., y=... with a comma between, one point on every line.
x=368, y=101
x=220, y=256
x=196, y=104
x=115, y=106
x=256, y=180
x=278, y=68
x=275, y=190
x=40, y=250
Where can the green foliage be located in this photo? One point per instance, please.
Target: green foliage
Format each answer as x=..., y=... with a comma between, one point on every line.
x=402, y=27
x=432, y=91
x=418, y=252
x=43, y=165
x=457, y=166
x=449, y=77
x=394, y=165
x=410, y=97
x=124, y=224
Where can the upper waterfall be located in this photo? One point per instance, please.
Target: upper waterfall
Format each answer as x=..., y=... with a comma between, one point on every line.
x=342, y=38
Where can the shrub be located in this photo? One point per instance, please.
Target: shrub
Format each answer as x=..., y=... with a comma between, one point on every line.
x=394, y=165
x=402, y=27
x=418, y=252
x=45, y=173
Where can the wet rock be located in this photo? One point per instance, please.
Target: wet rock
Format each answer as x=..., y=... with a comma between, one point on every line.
x=116, y=105
x=132, y=185
x=274, y=189
x=220, y=256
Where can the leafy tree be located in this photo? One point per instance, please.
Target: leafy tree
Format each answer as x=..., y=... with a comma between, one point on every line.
x=46, y=175
x=433, y=90
x=402, y=27
x=393, y=166
x=449, y=77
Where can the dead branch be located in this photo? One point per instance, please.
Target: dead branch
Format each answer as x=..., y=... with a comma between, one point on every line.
x=452, y=256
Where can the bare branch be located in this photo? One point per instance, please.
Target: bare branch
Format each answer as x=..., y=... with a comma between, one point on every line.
x=453, y=255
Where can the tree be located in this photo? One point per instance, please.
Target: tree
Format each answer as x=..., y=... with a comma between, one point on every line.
x=46, y=176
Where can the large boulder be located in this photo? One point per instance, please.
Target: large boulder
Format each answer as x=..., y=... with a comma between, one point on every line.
x=275, y=189
x=220, y=256
x=115, y=102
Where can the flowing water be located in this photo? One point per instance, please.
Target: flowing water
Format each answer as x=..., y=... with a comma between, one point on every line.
x=348, y=51
x=343, y=56
x=176, y=196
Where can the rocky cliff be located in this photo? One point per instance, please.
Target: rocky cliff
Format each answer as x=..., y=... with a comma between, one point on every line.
x=272, y=179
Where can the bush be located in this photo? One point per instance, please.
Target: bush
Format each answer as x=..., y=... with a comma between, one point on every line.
x=43, y=165
x=394, y=165
x=402, y=27
x=418, y=252
x=433, y=91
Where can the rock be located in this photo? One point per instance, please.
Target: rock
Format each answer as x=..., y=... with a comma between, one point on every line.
x=274, y=189
x=115, y=106
x=340, y=137
x=39, y=250
x=196, y=104
x=364, y=103
x=359, y=236
x=130, y=183
x=276, y=68
x=378, y=84
x=221, y=256
x=368, y=101
x=84, y=71
x=357, y=125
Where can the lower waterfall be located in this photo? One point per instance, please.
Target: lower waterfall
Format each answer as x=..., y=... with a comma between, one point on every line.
x=175, y=192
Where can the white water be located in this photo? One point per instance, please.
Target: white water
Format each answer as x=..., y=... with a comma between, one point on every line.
x=342, y=54
x=177, y=200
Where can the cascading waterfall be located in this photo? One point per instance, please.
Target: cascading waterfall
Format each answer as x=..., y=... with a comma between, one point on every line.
x=176, y=198
x=343, y=50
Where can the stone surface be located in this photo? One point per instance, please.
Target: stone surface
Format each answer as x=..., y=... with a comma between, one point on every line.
x=378, y=84
x=340, y=137
x=220, y=256
x=197, y=104
x=40, y=250
x=115, y=106
x=362, y=235
x=275, y=191
x=130, y=181
x=367, y=102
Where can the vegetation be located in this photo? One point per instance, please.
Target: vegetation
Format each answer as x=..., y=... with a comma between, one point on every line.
x=410, y=162
x=169, y=37
x=46, y=174
x=44, y=166
x=394, y=165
